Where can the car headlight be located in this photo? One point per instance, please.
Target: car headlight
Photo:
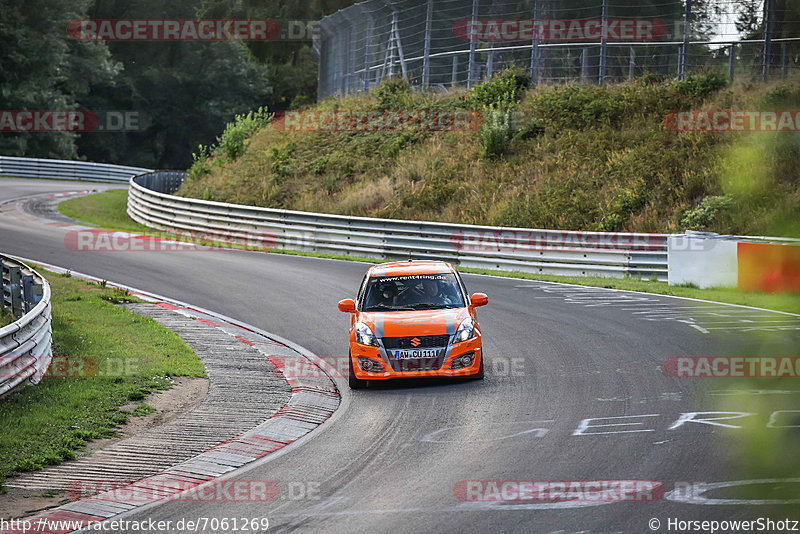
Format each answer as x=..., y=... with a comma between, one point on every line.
x=364, y=335
x=466, y=330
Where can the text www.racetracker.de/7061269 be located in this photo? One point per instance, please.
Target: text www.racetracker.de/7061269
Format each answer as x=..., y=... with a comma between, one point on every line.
x=200, y=524
x=762, y=524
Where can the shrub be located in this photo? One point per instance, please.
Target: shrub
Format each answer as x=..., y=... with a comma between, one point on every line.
x=651, y=78
x=232, y=142
x=495, y=132
x=704, y=216
x=393, y=93
x=502, y=90
x=200, y=165
x=701, y=86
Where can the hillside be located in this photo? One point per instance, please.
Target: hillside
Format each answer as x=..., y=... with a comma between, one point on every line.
x=560, y=157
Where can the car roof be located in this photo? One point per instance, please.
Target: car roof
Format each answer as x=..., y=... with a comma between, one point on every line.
x=401, y=268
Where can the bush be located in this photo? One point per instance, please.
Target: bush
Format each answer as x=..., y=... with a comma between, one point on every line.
x=704, y=216
x=392, y=93
x=651, y=78
x=502, y=90
x=701, y=86
x=495, y=132
x=232, y=142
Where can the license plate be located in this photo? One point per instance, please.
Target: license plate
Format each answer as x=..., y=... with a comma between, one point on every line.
x=415, y=354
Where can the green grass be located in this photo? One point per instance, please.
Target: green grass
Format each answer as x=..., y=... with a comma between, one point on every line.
x=574, y=158
x=6, y=319
x=135, y=356
x=105, y=209
x=117, y=219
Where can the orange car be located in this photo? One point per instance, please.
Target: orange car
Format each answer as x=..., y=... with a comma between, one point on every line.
x=413, y=319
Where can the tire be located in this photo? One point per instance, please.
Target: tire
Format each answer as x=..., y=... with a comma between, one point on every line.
x=355, y=383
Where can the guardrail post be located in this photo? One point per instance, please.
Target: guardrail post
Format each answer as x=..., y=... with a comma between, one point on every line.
x=14, y=276
x=3, y=286
x=27, y=292
x=38, y=293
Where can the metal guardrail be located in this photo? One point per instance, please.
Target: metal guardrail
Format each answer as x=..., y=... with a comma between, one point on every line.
x=66, y=170
x=571, y=253
x=26, y=344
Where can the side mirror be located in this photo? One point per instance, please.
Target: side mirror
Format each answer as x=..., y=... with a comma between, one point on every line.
x=347, y=305
x=479, y=299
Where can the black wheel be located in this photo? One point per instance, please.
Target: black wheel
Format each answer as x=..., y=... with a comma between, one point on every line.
x=355, y=383
x=479, y=375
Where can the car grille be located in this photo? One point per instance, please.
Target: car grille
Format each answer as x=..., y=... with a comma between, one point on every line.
x=422, y=342
x=425, y=342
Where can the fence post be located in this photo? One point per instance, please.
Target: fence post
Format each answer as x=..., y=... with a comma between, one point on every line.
x=535, y=45
x=391, y=48
x=731, y=62
x=585, y=65
x=489, y=64
x=473, y=40
x=784, y=60
x=683, y=63
x=340, y=84
x=454, y=78
x=426, y=56
x=402, y=58
x=14, y=276
x=601, y=74
x=350, y=69
x=768, y=29
x=367, y=48
x=632, y=65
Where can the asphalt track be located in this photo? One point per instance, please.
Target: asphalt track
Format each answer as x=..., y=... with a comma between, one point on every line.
x=389, y=459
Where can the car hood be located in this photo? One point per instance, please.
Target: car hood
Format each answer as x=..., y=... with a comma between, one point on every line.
x=414, y=323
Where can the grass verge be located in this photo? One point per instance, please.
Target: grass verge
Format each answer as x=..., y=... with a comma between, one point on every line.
x=134, y=356
x=107, y=210
x=6, y=319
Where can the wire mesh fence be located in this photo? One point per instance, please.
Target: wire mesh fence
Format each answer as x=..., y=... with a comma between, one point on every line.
x=445, y=43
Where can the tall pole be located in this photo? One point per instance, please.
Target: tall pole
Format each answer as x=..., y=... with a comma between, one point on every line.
x=687, y=31
x=601, y=76
x=632, y=64
x=535, y=44
x=769, y=20
x=473, y=40
x=368, y=49
x=426, y=59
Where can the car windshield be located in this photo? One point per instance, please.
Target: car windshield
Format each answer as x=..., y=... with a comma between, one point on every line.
x=413, y=292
